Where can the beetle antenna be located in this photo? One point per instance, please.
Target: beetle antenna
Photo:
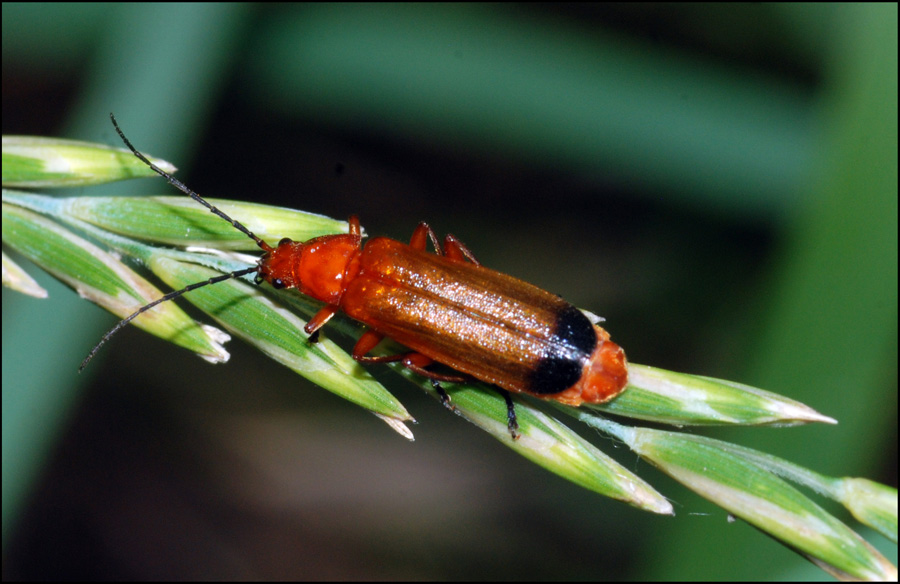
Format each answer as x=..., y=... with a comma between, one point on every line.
x=175, y=294
x=184, y=189
x=166, y=298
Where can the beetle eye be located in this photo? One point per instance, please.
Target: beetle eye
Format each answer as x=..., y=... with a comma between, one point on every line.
x=278, y=283
x=285, y=241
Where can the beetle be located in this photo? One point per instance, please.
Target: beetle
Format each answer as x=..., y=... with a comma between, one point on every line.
x=444, y=306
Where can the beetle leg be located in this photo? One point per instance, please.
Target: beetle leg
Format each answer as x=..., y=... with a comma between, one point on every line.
x=415, y=362
x=420, y=237
x=454, y=249
x=442, y=393
x=318, y=321
x=366, y=343
x=354, y=226
x=512, y=421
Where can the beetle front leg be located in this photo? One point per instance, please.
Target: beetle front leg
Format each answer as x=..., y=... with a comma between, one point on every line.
x=319, y=320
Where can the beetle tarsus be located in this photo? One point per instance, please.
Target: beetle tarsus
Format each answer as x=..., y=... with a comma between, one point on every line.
x=512, y=421
x=442, y=393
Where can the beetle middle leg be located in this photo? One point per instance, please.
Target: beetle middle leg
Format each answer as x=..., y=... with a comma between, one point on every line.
x=418, y=363
x=453, y=248
x=457, y=250
x=415, y=362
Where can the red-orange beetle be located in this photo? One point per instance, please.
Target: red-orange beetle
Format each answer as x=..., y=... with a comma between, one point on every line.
x=444, y=306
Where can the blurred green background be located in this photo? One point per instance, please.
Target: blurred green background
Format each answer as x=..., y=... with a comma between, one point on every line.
x=718, y=181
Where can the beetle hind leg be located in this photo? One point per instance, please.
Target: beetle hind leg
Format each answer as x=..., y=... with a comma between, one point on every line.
x=512, y=421
x=418, y=363
x=442, y=393
x=415, y=362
